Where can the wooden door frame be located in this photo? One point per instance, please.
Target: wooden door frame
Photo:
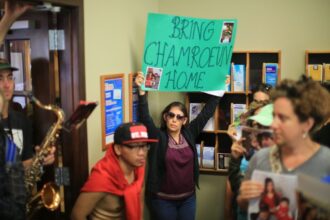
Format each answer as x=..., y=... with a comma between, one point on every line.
x=72, y=84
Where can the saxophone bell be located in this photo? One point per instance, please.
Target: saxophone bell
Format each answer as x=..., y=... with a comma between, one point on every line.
x=48, y=197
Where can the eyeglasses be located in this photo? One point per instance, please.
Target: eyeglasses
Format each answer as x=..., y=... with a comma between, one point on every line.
x=4, y=77
x=178, y=117
x=137, y=148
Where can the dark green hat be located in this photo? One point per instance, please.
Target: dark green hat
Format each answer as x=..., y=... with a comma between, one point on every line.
x=4, y=65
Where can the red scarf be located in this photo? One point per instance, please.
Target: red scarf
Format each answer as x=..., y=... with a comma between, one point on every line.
x=107, y=176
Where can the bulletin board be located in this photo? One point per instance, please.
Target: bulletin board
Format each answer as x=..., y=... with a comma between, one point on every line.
x=133, y=98
x=112, y=106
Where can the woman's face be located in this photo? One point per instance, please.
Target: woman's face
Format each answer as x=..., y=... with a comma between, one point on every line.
x=260, y=96
x=270, y=186
x=175, y=119
x=286, y=125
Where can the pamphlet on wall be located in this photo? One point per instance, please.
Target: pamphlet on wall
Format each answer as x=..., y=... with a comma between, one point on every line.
x=194, y=110
x=270, y=73
x=208, y=157
x=326, y=75
x=238, y=77
x=228, y=85
x=236, y=111
x=315, y=71
x=198, y=149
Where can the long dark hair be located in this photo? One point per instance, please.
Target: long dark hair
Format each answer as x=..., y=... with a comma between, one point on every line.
x=276, y=196
x=267, y=181
x=179, y=105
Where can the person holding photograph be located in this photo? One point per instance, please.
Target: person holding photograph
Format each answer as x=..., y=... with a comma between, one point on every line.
x=300, y=108
x=259, y=115
x=173, y=168
x=261, y=96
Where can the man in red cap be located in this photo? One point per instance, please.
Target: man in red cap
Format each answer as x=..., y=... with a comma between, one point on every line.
x=114, y=188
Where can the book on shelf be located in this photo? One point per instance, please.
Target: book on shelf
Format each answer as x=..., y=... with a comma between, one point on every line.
x=235, y=111
x=326, y=72
x=194, y=110
x=313, y=198
x=223, y=160
x=198, y=149
x=80, y=114
x=228, y=82
x=315, y=71
x=208, y=157
x=270, y=73
x=238, y=77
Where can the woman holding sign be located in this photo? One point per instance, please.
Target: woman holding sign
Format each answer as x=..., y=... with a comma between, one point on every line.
x=173, y=163
x=300, y=108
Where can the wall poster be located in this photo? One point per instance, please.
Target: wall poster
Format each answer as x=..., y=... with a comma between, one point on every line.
x=112, y=106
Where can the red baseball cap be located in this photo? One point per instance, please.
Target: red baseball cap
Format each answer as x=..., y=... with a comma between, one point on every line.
x=131, y=132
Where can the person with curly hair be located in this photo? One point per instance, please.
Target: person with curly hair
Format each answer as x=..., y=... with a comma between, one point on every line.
x=300, y=108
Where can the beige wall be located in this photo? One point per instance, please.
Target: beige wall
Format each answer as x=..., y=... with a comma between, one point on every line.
x=291, y=26
x=114, y=38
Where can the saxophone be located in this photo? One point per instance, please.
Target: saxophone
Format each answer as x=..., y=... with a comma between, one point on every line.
x=34, y=172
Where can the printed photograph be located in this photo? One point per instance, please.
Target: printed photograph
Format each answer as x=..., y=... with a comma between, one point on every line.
x=152, y=78
x=226, y=32
x=277, y=201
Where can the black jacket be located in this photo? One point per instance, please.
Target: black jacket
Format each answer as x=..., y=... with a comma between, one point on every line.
x=12, y=188
x=156, y=155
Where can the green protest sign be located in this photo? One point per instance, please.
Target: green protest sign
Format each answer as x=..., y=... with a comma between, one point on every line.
x=187, y=54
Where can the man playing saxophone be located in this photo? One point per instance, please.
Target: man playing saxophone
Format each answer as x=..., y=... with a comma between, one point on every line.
x=15, y=124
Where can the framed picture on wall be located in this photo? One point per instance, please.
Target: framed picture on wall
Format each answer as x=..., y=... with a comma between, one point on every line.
x=112, y=106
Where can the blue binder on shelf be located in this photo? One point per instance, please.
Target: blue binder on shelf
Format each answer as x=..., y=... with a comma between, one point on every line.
x=270, y=73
